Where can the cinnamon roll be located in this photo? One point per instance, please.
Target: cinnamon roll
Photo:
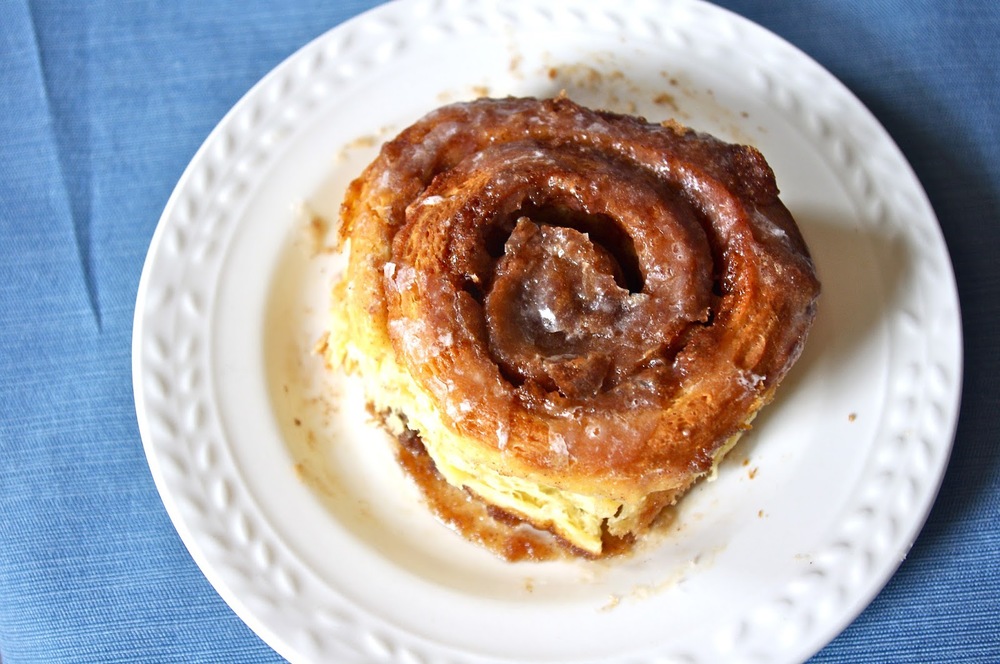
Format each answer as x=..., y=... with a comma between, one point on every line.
x=577, y=313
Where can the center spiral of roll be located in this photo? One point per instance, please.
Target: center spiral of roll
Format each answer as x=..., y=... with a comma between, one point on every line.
x=565, y=249
x=548, y=239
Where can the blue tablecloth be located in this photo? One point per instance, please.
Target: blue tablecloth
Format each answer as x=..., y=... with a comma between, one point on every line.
x=102, y=105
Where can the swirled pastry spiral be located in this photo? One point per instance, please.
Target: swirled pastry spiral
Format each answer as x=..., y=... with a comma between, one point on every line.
x=577, y=312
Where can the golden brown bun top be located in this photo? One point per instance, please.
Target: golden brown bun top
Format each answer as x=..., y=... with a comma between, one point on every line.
x=594, y=301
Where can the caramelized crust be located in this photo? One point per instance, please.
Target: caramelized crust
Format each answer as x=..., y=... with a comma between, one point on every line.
x=585, y=301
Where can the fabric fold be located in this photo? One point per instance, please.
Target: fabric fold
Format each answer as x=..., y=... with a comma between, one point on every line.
x=63, y=64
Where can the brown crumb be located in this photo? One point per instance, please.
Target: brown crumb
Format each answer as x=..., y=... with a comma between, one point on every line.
x=319, y=227
x=592, y=77
x=753, y=473
x=321, y=346
x=664, y=99
x=675, y=126
x=746, y=461
x=318, y=230
x=553, y=72
x=366, y=141
x=298, y=422
x=672, y=80
x=852, y=417
x=760, y=514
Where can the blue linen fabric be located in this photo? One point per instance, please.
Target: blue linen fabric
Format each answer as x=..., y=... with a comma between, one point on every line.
x=103, y=103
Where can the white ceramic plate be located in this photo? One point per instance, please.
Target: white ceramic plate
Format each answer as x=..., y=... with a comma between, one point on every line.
x=291, y=502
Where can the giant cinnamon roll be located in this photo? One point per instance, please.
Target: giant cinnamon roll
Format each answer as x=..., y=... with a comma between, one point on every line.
x=577, y=313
